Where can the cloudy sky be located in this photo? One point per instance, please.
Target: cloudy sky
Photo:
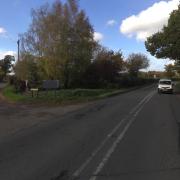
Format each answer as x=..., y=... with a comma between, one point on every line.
x=118, y=24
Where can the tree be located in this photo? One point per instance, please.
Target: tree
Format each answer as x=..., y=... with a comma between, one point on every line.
x=166, y=43
x=105, y=67
x=136, y=62
x=27, y=69
x=2, y=74
x=60, y=38
x=6, y=64
x=170, y=71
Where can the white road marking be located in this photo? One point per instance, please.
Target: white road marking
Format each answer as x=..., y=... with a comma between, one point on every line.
x=141, y=102
x=117, y=141
x=102, y=144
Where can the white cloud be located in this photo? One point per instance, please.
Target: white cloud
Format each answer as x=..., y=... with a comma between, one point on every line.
x=4, y=53
x=2, y=30
x=98, y=36
x=149, y=21
x=111, y=22
x=157, y=64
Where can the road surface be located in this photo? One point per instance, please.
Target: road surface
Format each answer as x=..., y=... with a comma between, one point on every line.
x=133, y=136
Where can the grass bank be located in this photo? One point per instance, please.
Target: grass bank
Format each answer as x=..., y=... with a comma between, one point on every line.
x=63, y=96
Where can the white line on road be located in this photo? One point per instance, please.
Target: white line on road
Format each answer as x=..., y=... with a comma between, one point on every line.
x=116, y=142
x=141, y=102
x=102, y=144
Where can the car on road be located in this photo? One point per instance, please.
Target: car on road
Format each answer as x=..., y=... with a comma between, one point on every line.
x=165, y=85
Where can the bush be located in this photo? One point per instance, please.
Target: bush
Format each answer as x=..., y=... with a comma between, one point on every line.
x=128, y=81
x=12, y=80
x=20, y=86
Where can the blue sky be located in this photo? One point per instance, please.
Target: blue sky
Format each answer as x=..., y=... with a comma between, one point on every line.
x=118, y=24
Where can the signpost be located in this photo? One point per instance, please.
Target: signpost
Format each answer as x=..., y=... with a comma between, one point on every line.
x=51, y=85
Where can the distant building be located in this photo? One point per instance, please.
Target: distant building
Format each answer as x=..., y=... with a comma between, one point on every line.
x=156, y=74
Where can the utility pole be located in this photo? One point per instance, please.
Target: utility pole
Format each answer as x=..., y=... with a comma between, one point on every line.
x=18, y=42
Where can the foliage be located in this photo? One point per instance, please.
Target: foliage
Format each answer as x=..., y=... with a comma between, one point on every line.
x=136, y=62
x=156, y=74
x=2, y=74
x=65, y=96
x=6, y=65
x=27, y=69
x=62, y=96
x=60, y=40
x=166, y=43
x=105, y=67
x=170, y=71
x=10, y=93
x=59, y=45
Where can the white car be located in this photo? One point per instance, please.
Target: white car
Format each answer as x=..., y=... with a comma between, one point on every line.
x=165, y=85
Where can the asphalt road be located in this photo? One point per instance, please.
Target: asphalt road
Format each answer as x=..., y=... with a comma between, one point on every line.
x=133, y=136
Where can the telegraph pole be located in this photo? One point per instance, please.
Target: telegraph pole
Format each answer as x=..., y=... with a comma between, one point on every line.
x=18, y=42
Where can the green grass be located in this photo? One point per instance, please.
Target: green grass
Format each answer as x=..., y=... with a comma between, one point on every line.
x=10, y=94
x=63, y=96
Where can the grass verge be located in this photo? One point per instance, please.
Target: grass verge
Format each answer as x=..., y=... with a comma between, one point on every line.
x=62, y=96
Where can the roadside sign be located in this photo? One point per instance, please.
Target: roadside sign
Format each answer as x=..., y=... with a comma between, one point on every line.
x=51, y=84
